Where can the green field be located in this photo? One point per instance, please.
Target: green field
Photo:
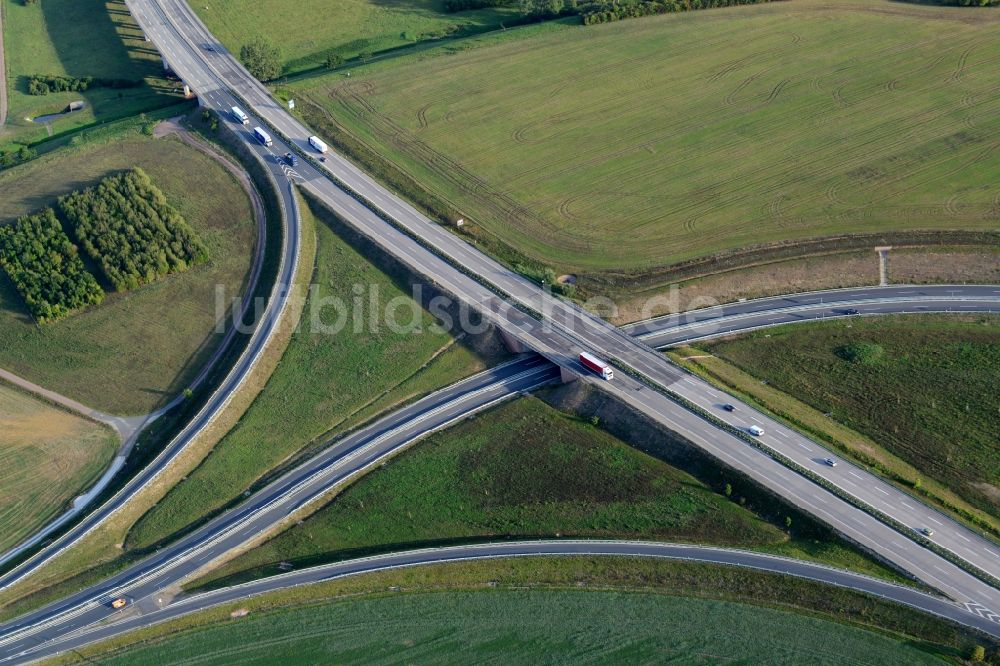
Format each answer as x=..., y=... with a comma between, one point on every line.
x=47, y=457
x=637, y=144
x=524, y=469
x=324, y=382
x=76, y=38
x=928, y=391
x=551, y=627
x=306, y=31
x=139, y=349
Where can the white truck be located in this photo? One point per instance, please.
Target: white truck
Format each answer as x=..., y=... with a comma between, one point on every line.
x=239, y=116
x=318, y=144
x=262, y=136
x=595, y=364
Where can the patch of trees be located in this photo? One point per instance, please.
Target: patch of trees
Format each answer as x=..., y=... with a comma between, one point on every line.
x=45, y=268
x=262, y=59
x=9, y=158
x=604, y=11
x=466, y=5
x=126, y=225
x=43, y=84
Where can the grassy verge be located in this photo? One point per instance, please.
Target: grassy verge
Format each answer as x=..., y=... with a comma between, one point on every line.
x=325, y=381
x=924, y=634
x=524, y=469
x=77, y=38
x=47, y=457
x=526, y=157
x=138, y=349
x=922, y=406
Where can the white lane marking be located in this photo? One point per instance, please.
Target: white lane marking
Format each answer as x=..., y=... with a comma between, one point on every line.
x=855, y=475
x=963, y=537
x=881, y=491
x=934, y=520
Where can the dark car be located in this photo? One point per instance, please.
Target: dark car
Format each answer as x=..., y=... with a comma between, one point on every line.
x=291, y=159
x=209, y=47
x=851, y=311
x=729, y=408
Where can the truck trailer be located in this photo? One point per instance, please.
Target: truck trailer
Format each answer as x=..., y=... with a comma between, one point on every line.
x=591, y=362
x=262, y=136
x=318, y=144
x=239, y=116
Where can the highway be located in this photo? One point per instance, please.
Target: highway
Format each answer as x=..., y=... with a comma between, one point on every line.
x=561, y=330
x=743, y=316
x=560, y=334
x=149, y=612
x=306, y=483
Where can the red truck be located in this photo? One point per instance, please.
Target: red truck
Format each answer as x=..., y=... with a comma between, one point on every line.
x=591, y=362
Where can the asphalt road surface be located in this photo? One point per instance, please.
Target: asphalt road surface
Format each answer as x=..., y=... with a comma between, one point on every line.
x=308, y=482
x=743, y=316
x=150, y=611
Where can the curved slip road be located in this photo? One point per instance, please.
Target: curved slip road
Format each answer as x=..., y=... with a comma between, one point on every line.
x=560, y=330
x=740, y=317
x=148, y=611
x=306, y=483
x=260, y=338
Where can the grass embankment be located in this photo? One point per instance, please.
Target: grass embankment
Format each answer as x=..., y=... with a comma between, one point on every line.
x=523, y=469
x=923, y=394
x=138, y=349
x=325, y=382
x=307, y=32
x=607, y=573
x=756, y=125
x=77, y=38
x=557, y=627
x=47, y=457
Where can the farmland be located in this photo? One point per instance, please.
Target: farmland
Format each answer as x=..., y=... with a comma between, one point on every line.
x=923, y=388
x=306, y=32
x=47, y=457
x=523, y=469
x=76, y=38
x=138, y=349
x=528, y=626
x=625, y=147
x=324, y=383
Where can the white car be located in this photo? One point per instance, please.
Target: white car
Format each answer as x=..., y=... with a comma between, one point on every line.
x=756, y=431
x=831, y=462
x=926, y=531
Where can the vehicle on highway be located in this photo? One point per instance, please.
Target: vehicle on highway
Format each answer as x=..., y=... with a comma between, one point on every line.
x=756, y=431
x=851, y=311
x=239, y=116
x=831, y=462
x=291, y=159
x=318, y=144
x=209, y=47
x=926, y=531
x=591, y=362
x=263, y=136
x=120, y=602
x=728, y=407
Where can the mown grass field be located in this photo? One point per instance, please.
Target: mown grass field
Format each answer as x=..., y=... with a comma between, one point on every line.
x=323, y=382
x=527, y=470
x=306, y=31
x=47, y=457
x=76, y=38
x=137, y=350
x=930, y=397
x=627, y=146
x=553, y=627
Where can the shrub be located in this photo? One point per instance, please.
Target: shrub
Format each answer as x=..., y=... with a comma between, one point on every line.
x=126, y=225
x=262, y=59
x=45, y=268
x=43, y=84
x=863, y=353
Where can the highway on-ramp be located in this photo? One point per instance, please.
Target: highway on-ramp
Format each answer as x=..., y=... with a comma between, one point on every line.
x=306, y=483
x=149, y=612
x=743, y=316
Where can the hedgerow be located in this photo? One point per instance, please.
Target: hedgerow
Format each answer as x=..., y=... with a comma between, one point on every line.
x=43, y=84
x=605, y=11
x=45, y=268
x=126, y=225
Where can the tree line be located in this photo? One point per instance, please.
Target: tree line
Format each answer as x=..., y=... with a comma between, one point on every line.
x=125, y=224
x=603, y=11
x=45, y=268
x=43, y=84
